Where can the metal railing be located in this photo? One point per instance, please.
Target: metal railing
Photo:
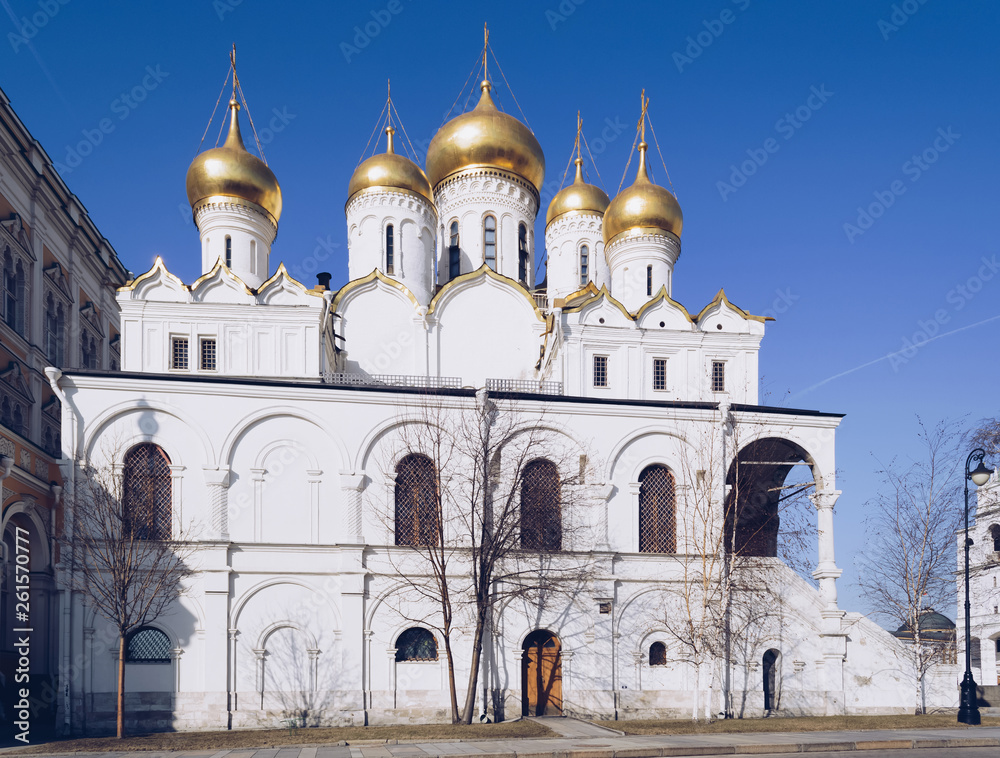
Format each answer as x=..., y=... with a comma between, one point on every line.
x=524, y=385
x=541, y=300
x=348, y=379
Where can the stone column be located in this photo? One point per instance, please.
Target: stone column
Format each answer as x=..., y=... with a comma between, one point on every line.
x=315, y=476
x=175, y=664
x=217, y=480
x=826, y=572
x=632, y=543
x=352, y=485
x=603, y=493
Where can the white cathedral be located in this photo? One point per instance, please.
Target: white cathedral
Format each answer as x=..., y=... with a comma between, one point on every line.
x=271, y=416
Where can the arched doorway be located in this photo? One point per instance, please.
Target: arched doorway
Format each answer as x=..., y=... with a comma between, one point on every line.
x=770, y=667
x=541, y=675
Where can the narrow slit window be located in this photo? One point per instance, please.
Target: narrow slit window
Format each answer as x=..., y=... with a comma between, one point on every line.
x=600, y=371
x=659, y=373
x=229, y=252
x=584, y=265
x=179, y=353
x=209, y=355
x=718, y=376
x=390, y=242
x=490, y=242
x=522, y=254
x=454, y=252
x=649, y=281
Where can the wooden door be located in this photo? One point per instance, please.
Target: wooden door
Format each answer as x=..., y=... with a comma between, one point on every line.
x=541, y=674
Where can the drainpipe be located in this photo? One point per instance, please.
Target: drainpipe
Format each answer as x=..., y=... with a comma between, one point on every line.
x=66, y=465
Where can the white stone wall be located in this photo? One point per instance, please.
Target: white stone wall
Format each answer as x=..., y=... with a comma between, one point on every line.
x=468, y=198
x=564, y=238
x=414, y=222
x=250, y=233
x=633, y=259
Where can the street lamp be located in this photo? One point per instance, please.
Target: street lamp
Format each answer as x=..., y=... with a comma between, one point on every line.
x=968, y=709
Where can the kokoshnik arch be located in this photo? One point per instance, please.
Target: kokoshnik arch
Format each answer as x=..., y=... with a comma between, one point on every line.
x=275, y=417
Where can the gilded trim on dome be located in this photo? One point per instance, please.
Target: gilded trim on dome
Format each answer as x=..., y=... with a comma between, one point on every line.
x=233, y=200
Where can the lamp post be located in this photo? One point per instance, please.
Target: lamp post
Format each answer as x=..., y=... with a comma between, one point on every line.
x=968, y=709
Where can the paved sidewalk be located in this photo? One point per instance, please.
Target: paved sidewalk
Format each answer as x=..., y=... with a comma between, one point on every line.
x=614, y=746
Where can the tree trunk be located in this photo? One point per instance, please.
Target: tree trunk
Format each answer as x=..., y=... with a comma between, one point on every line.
x=451, y=677
x=697, y=689
x=477, y=654
x=121, y=687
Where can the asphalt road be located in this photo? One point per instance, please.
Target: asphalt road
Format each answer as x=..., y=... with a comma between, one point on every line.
x=923, y=752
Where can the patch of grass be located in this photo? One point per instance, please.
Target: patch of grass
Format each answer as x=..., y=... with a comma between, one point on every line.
x=269, y=738
x=789, y=724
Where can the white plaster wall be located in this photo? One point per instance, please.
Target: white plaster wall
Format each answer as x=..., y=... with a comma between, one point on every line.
x=629, y=258
x=563, y=240
x=244, y=226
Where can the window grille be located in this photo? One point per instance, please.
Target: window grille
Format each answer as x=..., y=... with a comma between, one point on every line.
x=657, y=654
x=659, y=373
x=584, y=265
x=490, y=242
x=416, y=644
x=179, y=353
x=417, y=504
x=522, y=254
x=718, y=376
x=541, y=517
x=389, y=249
x=454, y=252
x=147, y=492
x=649, y=281
x=657, y=511
x=229, y=252
x=147, y=645
x=208, y=355
x=600, y=371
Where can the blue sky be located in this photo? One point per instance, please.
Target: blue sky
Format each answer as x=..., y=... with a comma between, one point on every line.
x=836, y=161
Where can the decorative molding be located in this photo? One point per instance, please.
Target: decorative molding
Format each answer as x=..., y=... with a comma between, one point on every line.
x=24, y=459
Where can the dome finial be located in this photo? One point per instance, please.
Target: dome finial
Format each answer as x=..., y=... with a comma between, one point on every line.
x=486, y=47
x=389, y=131
x=234, y=139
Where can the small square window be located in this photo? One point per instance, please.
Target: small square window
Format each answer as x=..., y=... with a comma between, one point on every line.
x=179, y=353
x=659, y=373
x=604, y=608
x=718, y=376
x=600, y=371
x=208, y=355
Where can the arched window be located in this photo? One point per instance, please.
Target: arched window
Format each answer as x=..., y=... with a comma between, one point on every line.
x=253, y=256
x=417, y=502
x=541, y=517
x=390, y=252
x=147, y=645
x=649, y=281
x=657, y=518
x=54, y=324
x=147, y=492
x=454, y=252
x=89, y=357
x=584, y=265
x=229, y=251
x=995, y=534
x=17, y=420
x=13, y=293
x=522, y=254
x=657, y=654
x=416, y=644
x=490, y=242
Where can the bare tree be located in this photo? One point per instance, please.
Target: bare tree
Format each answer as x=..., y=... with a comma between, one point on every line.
x=489, y=512
x=987, y=436
x=908, y=565
x=123, y=556
x=730, y=539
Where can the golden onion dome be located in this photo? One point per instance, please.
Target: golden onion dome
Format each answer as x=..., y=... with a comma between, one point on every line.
x=390, y=171
x=229, y=173
x=579, y=197
x=485, y=138
x=643, y=207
